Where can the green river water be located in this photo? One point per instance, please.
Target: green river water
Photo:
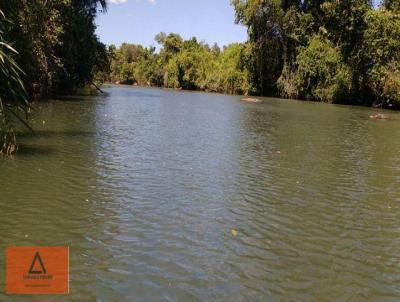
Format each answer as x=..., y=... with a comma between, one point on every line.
x=145, y=186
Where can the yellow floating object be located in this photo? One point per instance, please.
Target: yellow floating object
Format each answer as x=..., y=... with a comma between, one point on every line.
x=234, y=232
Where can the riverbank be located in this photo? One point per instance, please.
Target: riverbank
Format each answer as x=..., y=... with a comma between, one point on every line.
x=386, y=106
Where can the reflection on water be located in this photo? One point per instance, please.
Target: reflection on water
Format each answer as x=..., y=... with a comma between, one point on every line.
x=145, y=185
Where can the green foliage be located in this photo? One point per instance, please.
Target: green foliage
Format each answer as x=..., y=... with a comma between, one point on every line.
x=322, y=50
x=232, y=69
x=381, y=50
x=264, y=20
x=320, y=74
x=393, y=5
x=12, y=93
x=56, y=40
x=325, y=50
x=134, y=64
x=57, y=49
x=172, y=74
x=181, y=64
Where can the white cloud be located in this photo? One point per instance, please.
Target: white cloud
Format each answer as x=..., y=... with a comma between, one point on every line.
x=118, y=1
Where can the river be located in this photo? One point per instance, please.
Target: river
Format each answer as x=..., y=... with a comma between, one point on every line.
x=145, y=186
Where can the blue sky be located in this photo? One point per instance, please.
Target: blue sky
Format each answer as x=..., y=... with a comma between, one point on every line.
x=138, y=21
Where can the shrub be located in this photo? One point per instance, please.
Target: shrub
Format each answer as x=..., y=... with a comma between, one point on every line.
x=321, y=74
x=381, y=51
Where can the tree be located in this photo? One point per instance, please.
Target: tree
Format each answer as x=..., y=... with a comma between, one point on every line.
x=57, y=49
x=264, y=20
x=321, y=73
x=56, y=40
x=12, y=94
x=393, y=5
x=285, y=34
x=182, y=64
x=381, y=51
x=321, y=50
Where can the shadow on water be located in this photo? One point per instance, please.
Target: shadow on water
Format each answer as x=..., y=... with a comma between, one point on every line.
x=49, y=134
x=80, y=98
x=34, y=149
x=26, y=147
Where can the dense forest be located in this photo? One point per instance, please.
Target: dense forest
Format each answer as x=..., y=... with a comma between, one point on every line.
x=185, y=64
x=331, y=51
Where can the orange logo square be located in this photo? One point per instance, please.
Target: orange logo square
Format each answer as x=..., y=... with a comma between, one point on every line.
x=37, y=270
